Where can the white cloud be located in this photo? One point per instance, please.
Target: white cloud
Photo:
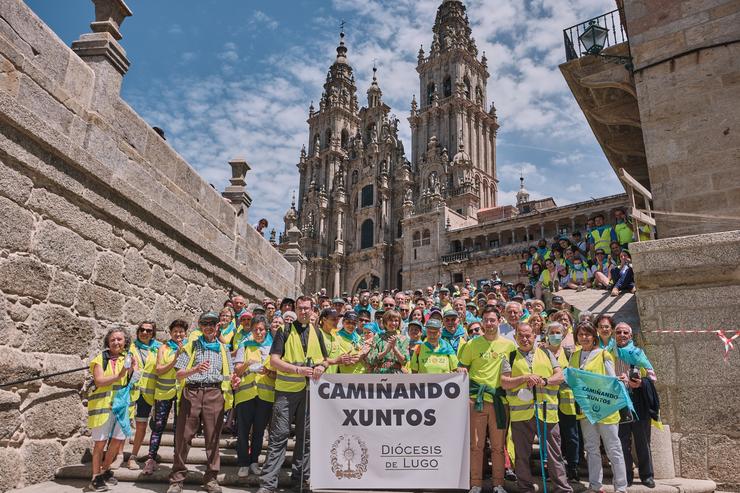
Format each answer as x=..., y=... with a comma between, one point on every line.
x=262, y=114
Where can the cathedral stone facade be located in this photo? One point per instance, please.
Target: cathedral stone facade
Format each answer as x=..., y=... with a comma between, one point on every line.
x=367, y=217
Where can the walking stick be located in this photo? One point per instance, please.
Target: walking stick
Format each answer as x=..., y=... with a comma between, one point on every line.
x=539, y=437
x=309, y=363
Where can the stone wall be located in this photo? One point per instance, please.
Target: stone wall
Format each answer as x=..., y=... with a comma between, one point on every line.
x=693, y=282
x=687, y=75
x=102, y=223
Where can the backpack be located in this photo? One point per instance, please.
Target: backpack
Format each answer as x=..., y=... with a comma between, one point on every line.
x=88, y=386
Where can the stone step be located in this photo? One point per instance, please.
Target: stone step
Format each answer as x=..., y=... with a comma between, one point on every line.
x=198, y=456
x=227, y=476
x=226, y=442
x=75, y=485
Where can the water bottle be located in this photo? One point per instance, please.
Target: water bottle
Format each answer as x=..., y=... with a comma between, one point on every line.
x=127, y=361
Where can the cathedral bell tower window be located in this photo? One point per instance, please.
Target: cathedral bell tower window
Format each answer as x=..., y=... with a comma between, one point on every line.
x=366, y=234
x=447, y=87
x=431, y=89
x=366, y=197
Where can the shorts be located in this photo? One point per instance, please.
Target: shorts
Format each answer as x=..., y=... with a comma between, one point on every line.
x=110, y=429
x=143, y=410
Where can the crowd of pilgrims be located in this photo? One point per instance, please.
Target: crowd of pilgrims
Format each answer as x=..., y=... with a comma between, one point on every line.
x=245, y=369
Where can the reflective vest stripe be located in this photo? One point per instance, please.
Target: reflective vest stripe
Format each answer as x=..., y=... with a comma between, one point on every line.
x=287, y=378
x=96, y=412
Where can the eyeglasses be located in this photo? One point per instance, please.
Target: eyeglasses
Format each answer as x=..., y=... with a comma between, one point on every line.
x=208, y=324
x=365, y=320
x=403, y=309
x=146, y=331
x=605, y=326
x=388, y=305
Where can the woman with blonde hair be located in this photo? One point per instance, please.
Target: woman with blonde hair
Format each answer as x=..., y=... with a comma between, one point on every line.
x=390, y=349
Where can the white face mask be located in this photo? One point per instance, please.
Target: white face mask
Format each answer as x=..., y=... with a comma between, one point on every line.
x=555, y=339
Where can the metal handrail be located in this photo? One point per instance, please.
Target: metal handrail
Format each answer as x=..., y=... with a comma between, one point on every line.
x=41, y=377
x=616, y=34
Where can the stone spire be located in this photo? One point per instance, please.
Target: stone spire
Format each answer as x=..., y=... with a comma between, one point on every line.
x=374, y=94
x=339, y=88
x=522, y=195
x=452, y=29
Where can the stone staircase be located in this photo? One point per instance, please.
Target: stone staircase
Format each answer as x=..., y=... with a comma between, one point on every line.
x=73, y=478
x=622, y=308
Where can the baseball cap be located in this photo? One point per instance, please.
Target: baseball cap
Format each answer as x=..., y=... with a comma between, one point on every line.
x=450, y=313
x=558, y=299
x=350, y=316
x=417, y=323
x=433, y=323
x=208, y=317
x=337, y=301
x=444, y=290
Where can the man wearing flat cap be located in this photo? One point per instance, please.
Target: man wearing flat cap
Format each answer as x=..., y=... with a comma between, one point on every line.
x=206, y=371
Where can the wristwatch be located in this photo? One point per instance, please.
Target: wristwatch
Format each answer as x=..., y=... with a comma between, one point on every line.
x=545, y=381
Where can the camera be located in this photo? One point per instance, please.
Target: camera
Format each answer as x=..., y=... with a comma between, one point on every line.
x=634, y=374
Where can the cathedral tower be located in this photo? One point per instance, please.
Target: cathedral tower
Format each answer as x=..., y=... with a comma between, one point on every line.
x=453, y=133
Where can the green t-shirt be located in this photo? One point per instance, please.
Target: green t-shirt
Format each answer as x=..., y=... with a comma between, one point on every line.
x=424, y=360
x=483, y=359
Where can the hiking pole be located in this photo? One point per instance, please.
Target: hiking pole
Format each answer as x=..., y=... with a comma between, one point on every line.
x=309, y=363
x=539, y=439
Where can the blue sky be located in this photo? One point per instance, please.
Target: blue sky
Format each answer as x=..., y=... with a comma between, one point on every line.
x=236, y=77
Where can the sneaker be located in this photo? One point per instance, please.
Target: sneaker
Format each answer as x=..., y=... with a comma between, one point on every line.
x=476, y=489
x=499, y=489
x=132, y=464
x=149, y=467
x=212, y=486
x=98, y=484
x=254, y=468
x=510, y=475
x=108, y=477
x=175, y=488
x=243, y=472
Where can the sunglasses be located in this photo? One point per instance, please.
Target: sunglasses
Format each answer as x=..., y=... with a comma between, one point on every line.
x=365, y=320
x=146, y=331
x=208, y=324
x=388, y=305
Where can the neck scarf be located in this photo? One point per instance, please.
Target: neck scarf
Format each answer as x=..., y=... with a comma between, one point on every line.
x=459, y=332
x=252, y=343
x=172, y=344
x=152, y=346
x=214, y=346
x=229, y=328
x=443, y=348
x=354, y=337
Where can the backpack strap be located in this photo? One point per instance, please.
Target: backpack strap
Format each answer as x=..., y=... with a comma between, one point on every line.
x=512, y=357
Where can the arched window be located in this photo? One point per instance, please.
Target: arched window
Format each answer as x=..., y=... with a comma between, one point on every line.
x=479, y=95
x=355, y=176
x=417, y=239
x=366, y=234
x=431, y=89
x=426, y=237
x=370, y=132
x=456, y=246
x=345, y=138
x=327, y=138
x=466, y=81
x=399, y=230
x=367, y=196
x=447, y=87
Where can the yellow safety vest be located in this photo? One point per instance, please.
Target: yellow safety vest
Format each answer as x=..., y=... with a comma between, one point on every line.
x=644, y=233
x=294, y=354
x=595, y=365
x=166, y=387
x=348, y=347
x=333, y=349
x=602, y=240
x=148, y=379
x=547, y=396
x=546, y=279
x=247, y=389
x=238, y=337
x=265, y=384
x=100, y=401
x=566, y=400
x=225, y=372
x=623, y=232
x=574, y=274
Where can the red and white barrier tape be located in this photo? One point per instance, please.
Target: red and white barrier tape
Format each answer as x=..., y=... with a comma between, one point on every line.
x=727, y=341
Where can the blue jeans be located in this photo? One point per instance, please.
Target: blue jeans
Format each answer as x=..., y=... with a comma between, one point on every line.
x=569, y=439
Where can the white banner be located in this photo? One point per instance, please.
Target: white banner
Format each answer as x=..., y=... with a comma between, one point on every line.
x=393, y=432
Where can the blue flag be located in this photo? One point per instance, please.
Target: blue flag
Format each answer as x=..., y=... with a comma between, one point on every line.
x=119, y=407
x=597, y=395
x=633, y=355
